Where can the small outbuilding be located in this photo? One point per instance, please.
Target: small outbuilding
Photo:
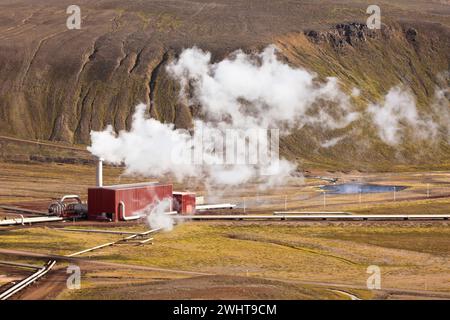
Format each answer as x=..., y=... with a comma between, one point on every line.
x=184, y=202
x=124, y=202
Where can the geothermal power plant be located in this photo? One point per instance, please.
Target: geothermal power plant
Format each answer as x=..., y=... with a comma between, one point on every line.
x=126, y=202
x=130, y=202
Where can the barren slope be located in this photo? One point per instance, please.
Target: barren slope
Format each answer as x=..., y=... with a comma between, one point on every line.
x=58, y=84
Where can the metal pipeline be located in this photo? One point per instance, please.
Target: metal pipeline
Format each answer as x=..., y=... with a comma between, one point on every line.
x=62, y=208
x=71, y=196
x=99, y=172
x=122, y=213
x=27, y=281
x=22, y=221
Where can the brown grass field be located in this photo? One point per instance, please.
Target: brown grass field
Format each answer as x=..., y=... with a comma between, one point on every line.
x=57, y=85
x=240, y=259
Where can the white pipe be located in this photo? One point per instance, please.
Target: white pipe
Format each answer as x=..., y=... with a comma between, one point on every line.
x=311, y=212
x=22, y=222
x=28, y=220
x=99, y=172
x=27, y=281
x=318, y=216
x=215, y=206
x=22, y=219
x=71, y=196
x=133, y=236
x=95, y=231
x=16, y=288
x=124, y=217
x=91, y=249
x=145, y=241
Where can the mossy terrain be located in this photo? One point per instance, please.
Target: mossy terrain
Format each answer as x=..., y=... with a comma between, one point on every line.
x=59, y=84
x=283, y=256
x=373, y=64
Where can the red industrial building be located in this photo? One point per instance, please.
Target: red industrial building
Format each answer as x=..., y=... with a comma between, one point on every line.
x=127, y=201
x=184, y=202
x=122, y=202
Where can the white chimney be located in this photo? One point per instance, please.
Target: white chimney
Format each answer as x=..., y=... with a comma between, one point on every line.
x=99, y=175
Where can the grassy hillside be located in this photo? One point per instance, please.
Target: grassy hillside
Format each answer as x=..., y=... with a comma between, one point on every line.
x=374, y=64
x=59, y=84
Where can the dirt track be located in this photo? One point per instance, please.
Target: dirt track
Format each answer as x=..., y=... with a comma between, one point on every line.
x=53, y=284
x=47, y=288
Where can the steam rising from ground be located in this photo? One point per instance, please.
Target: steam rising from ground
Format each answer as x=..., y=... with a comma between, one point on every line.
x=441, y=108
x=252, y=91
x=157, y=217
x=332, y=142
x=260, y=91
x=238, y=93
x=399, y=108
x=152, y=148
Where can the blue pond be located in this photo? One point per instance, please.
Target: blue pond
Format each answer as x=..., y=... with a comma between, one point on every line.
x=349, y=188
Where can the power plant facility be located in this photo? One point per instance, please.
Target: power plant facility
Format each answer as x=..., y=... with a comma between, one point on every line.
x=126, y=202
x=122, y=202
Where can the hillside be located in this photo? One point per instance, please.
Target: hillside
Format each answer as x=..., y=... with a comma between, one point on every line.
x=58, y=84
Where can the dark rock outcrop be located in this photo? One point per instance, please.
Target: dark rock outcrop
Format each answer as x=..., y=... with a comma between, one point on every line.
x=411, y=34
x=347, y=34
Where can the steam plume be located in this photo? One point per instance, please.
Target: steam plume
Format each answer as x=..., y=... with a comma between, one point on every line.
x=241, y=92
x=251, y=91
x=260, y=90
x=398, y=112
x=157, y=217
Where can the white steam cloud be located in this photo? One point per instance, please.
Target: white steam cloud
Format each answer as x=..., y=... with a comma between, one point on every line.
x=157, y=216
x=245, y=91
x=260, y=90
x=332, y=142
x=398, y=113
x=146, y=149
x=152, y=148
x=441, y=108
x=251, y=91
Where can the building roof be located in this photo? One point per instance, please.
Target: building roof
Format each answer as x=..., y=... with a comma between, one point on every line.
x=183, y=193
x=133, y=185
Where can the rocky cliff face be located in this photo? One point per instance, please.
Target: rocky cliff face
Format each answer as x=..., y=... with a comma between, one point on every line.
x=59, y=84
x=347, y=34
x=415, y=56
